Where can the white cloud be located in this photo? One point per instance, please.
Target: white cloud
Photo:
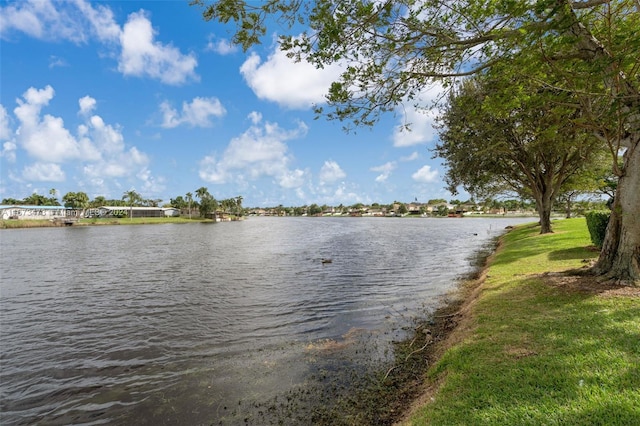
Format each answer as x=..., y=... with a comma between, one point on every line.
x=255, y=117
x=101, y=20
x=44, y=138
x=119, y=165
x=87, y=104
x=150, y=183
x=260, y=151
x=421, y=119
x=49, y=172
x=331, y=172
x=142, y=56
x=280, y=79
x=41, y=19
x=9, y=147
x=9, y=151
x=78, y=21
x=99, y=145
x=5, y=130
x=343, y=193
x=55, y=61
x=385, y=170
x=74, y=21
x=411, y=157
x=425, y=175
x=291, y=178
x=220, y=46
x=106, y=138
x=198, y=113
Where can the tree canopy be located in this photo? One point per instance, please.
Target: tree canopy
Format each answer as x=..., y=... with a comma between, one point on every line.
x=498, y=134
x=76, y=200
x=208, y=204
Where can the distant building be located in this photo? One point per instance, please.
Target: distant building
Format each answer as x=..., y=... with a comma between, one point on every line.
x=126, y=211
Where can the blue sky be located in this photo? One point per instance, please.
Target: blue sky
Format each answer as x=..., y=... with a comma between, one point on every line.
x=104, y=97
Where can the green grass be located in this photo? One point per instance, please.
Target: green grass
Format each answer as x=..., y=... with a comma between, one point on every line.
x=32, y=223
x=538, y=354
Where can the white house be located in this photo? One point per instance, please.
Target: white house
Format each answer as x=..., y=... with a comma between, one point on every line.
x=126, y=211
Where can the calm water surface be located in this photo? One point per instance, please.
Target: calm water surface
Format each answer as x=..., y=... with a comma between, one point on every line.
x=204, y=324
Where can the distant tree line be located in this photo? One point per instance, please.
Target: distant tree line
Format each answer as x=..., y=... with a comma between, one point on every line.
x=201, y=201
x=205, y=205
x=435, y=207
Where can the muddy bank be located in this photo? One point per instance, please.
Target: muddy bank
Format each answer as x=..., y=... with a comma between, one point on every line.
x=382, y=393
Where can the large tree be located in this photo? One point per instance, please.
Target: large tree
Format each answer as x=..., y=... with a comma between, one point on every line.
x=76, y=200
x=392, y=50
x=208, y=204
x=98, y=201
x=499, y=135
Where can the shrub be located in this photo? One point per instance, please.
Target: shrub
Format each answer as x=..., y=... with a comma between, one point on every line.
x=597, y=223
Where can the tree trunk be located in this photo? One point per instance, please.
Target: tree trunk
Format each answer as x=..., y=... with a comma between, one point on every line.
x=568, y=207
x=544, y=205
x=545, y=219
x=620, y=255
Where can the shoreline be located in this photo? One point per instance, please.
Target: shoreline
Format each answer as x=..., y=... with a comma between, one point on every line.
x=52, y=223
x=57, y=223
x=522, y=345
x=394, y=391
x=438, y=332
x=451, y=321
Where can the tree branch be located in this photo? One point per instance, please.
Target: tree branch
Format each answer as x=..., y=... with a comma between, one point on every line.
x=576, y=5
x=473, y=71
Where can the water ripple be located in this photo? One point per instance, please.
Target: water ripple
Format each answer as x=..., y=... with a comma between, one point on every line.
x=144, y=324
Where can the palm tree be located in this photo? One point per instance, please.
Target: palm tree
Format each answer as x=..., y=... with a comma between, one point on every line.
x=53, y=201
x=239, y=204
x=207, y=202
x=202, y=192
x=99, y=201
x=189, y=199
x=133, y=198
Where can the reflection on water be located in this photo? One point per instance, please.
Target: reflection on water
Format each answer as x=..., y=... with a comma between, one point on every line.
x=202, y=324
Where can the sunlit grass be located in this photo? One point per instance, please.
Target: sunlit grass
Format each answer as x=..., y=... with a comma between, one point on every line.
x=538, y=354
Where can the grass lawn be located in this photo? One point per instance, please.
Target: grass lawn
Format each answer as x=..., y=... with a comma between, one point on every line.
x=538, y=347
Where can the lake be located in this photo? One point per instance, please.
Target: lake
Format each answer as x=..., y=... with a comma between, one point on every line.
x=214, y=323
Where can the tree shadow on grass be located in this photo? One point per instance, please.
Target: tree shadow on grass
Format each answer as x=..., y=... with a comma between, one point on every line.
x=573, y=253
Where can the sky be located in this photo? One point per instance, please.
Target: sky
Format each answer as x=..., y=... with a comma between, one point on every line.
x=108, y=97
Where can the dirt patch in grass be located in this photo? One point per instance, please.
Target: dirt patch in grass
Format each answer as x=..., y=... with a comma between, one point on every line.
x=588, y=284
